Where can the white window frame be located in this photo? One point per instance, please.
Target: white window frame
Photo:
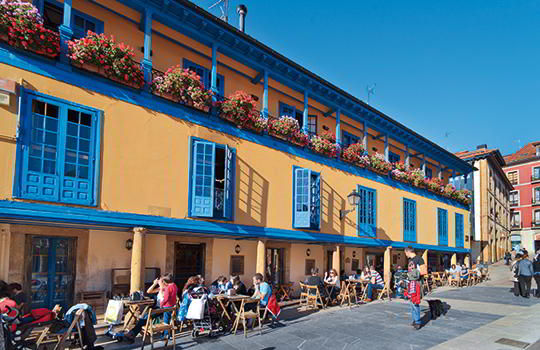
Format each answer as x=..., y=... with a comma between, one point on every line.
x=532, y=171
x=534, y=217
x=516, y=213
x=518, y=194
x=511, y=171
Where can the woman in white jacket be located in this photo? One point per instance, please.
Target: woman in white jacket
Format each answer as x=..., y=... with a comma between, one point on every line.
x=515, y=273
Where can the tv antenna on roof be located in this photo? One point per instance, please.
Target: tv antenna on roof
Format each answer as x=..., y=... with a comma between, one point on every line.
x=224, y=7
x=370, y=89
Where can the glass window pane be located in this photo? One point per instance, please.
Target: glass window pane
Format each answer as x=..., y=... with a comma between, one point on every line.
x=49, y=166
x=71, y=143
x=84, y=145
x=83, y=172
x=50, y=153
x=86, y=119
x=37, y=136
x=38, y=107
x=72, y=129
x=34, y=164
x=71, y=157
x=50, y=138
x=73, y=116
x=79, y=21
x=70, y=170
x=35, y=150
x=90, y=26
x=52, y=110
x=83, y=158
x=37, y=121
x=51, y=124
x=85, y=132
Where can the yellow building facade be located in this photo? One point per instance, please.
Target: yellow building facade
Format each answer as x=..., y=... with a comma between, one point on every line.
x=111, y=182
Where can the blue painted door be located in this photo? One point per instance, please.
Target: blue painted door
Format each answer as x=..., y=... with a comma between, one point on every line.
x=204, y=155
x=366, y=212
x=52, y=272
x=228, y=195
x=302, y=198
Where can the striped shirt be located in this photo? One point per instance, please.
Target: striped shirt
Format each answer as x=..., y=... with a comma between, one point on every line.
x=378, y=278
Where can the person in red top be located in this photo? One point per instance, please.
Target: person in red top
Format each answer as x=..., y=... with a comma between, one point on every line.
x=169, y=289
x=414, y=294
x=6, y=302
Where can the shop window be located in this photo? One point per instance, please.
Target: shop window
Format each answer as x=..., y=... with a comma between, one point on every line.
x=442, y=226
x=212, y=177
x=310, y=264
x=59, y=152
x=354, y=265
x=237, y=265
x=206, y=77
x=81, y=23
x=366, y=212
x=460, y=237
x=409, y=220
x=306, y=199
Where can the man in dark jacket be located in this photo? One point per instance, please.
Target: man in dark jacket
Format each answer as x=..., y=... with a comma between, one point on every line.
x=525, y=270
x=536, y=268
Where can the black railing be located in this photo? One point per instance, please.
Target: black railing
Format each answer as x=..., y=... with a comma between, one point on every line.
x=514, y=203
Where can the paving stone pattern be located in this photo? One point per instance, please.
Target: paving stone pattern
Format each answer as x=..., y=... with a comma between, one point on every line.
x=498, y=295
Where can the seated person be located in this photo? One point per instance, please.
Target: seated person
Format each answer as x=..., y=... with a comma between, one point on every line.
x=315, y=280
x=376, y=283
x=334, y=282
x=6, y=302
x=357, y=275
x=219, y=285
x=263, y=291
x=239, y=286
x=18, y=295
x=366, y=274
x=464, y=272
x=453, y=271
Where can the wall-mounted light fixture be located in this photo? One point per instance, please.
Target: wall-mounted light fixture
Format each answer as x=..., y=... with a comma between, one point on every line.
x=308, y=252
x=354, y=254
x=354, y=199
x=237, y=249
x=129, y=244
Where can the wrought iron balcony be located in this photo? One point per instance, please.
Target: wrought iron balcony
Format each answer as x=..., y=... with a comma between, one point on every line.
x=516, y=226
x=513, y=203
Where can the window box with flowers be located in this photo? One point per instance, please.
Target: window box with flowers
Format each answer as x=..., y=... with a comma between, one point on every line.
x=283, y=128
x=322, y=144
x=353, y=153
x=101, y=54
x=21, y=26
x=239, y=109
x=184, y=86
x=378, y=164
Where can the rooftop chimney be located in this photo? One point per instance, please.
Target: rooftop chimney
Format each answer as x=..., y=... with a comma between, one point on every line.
x=242, y=12
x=484, y=146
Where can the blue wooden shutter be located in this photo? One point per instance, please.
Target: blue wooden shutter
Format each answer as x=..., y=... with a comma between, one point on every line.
x=228, y=195
x=302, y=198
x=442, y=221
x=367, y=212
x=460, y=239
x=202, y=192
x=39, y=177
x=409, y=220
x=315, y=186
x=77, y=150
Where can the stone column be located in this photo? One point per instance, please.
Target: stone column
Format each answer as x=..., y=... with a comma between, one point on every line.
x=486, y=252
x=387, y=263
x=425, y=256
x=467, y=261
x=453, y=260
x=493, y=251
x=261, y=257
x=336, y=262
x=137, y=260
x=5, y=242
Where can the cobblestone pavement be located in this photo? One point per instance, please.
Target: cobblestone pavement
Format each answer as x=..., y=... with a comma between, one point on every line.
x=477, y=317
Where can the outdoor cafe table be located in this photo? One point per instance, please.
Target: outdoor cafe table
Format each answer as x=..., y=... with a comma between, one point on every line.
x=225, y=300
x=349, y=286
x=134, y=308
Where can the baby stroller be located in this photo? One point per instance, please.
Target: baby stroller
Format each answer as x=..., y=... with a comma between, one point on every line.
x=203, y=312
x=400, y=283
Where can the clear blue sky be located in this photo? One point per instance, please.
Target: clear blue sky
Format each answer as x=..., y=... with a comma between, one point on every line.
x=467, y=68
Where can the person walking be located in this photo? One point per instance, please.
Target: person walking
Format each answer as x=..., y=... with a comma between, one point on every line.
x=525, y=270
x=515, y=274
x=414, y=294
x=536, y=268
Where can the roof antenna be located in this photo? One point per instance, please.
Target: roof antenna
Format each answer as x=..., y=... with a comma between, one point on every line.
x=224, y=7
x=370, y=89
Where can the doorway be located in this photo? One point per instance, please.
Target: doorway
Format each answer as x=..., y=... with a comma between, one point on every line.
x=52, y=271
x=188, y=261
x=275, y=265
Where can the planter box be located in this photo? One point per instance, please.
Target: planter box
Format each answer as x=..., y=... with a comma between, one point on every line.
x=380, y=172
x=278, y=136
x=100, y=71
x=4, y=37
x=327, y=154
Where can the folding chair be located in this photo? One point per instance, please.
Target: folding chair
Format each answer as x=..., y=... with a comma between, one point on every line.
x=60, y=339
x=314, y=299
x=152, y=328
x=303, y=294
x=244, y=315
x=385, y=291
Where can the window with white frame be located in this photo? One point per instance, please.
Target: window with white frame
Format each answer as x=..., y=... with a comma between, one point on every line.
x=536, y=220
x=513, y=177
x=536, y=196
x=514, y=198
x=535, y=174
x=516, y=220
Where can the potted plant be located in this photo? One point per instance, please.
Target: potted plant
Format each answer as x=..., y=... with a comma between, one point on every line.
x=416, y=177
x=400, y=175
x=239, y=109
x=353, y=153
x=379, y=165
x=434, y=185
x=283, y=127
x=182, y=85
x=101, y=54
x=323, y=146
x=299, y=138
x=22, y=26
